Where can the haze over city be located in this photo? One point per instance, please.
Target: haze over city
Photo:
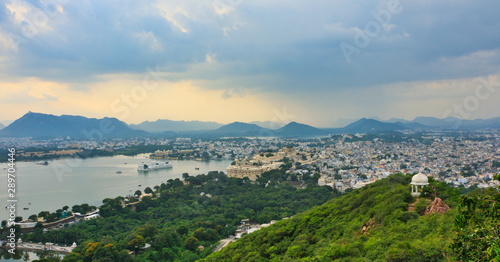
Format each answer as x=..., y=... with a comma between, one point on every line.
x=313, y=62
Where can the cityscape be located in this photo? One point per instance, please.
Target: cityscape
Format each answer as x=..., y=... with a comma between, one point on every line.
x=342, y=161
x=241, y=131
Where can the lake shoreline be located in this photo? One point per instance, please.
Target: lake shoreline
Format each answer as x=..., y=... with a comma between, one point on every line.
x=73, y=181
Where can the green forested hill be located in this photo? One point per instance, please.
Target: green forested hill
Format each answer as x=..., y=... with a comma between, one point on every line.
x=334, y=230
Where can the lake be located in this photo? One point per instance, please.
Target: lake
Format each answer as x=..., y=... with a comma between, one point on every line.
x=76, y=181
x=5, y=256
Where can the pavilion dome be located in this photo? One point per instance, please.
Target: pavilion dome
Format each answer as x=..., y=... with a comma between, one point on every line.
x=419, y=179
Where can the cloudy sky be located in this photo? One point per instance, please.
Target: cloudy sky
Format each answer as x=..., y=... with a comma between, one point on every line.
x=238, y=60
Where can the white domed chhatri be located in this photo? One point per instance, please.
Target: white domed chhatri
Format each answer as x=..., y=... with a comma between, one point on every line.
x=418, y=182
x=419, y=179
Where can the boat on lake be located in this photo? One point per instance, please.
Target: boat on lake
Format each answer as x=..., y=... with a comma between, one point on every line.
x=154, y=166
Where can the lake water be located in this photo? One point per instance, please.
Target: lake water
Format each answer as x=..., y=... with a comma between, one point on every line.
x=76, y=181
x=5, y=256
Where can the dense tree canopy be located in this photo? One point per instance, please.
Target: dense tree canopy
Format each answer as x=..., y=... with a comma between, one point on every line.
x=478, y=226
x=181, y=218
x=371, y=223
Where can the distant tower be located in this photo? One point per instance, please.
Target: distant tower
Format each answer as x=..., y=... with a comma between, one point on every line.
x=418, y=182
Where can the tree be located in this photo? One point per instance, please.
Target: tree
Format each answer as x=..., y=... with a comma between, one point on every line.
x=75, y=209
x=73, y=257
x=43, y=214
x=205, y=156
x=182, y=230
x=477, y=226
x=136, y=243
x=138, y=193
x=191, y=243
x=65, y=208
x=148, y=190
x=200, y=234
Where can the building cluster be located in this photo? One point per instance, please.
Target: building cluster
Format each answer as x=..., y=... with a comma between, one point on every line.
x=453, y=160
x=344, y=163
x=341, y=161
x=254, y=167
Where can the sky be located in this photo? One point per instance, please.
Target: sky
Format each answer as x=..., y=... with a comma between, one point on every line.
x=315, y=62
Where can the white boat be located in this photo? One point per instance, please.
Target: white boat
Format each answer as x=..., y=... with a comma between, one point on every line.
x=154, y=166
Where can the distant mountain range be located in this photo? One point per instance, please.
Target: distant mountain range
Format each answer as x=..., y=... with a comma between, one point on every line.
x=395, y=120
x=292, y=129
x=299, y=130
x=162, y=125
x=238, y=129
x=37, y=125
x=268, y=124
x=456, y=123
x=365, y=125
x=1, y=126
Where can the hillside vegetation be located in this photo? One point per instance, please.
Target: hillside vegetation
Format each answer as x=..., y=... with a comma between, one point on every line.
x=181, y=219
x=368, y=224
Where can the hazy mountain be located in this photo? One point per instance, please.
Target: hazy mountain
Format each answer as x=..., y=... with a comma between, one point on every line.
x=268, y=124
x=239, y=129
x=245, y=129
x=344, y=122
x=414, y=125
x=300, y=130
x=448, y=122
x=395, y=120
x=39, y=125
x=479, y=123
x=456, y=123
x=162, y=125
x=366, y=125
x=1, y=126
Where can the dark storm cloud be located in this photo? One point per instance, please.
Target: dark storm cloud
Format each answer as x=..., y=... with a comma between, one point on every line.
x=279, y=45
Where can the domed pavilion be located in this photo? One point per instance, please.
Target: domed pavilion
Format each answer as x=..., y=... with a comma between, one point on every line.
x=418, y=182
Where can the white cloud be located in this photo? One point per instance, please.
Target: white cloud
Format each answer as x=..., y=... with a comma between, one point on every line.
x=30, y=19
